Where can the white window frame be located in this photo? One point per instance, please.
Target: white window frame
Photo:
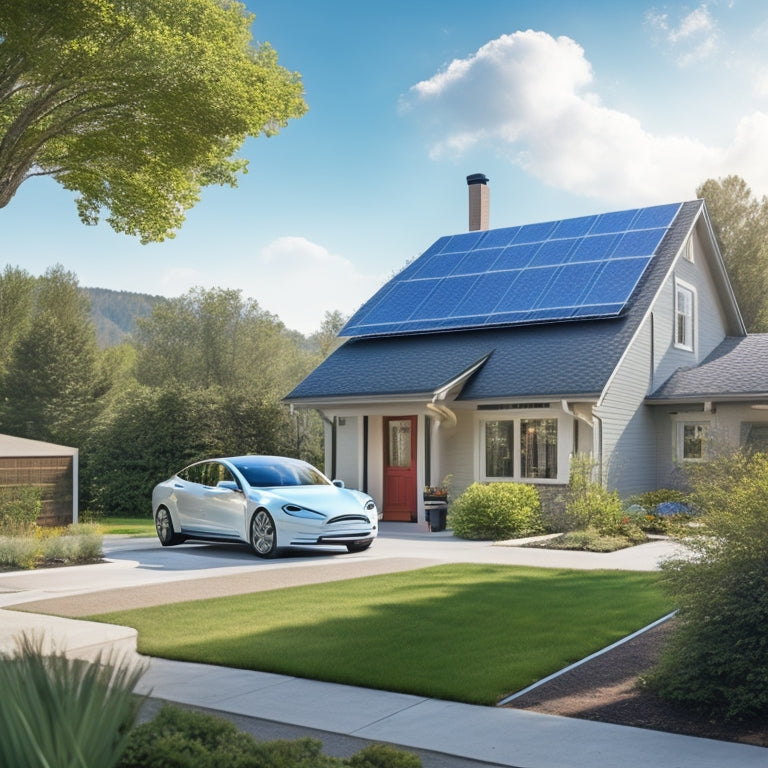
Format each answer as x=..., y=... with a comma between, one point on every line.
x=688, y=340
x=516, y=417
x=691, y=421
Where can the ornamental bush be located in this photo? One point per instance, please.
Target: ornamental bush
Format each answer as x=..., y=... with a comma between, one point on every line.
x=717, y=659
x=589, y=504
x=181, y=738
x=496, y=511
x=20, y=506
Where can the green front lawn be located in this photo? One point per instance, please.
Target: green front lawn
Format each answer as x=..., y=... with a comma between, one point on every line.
x=469, y=633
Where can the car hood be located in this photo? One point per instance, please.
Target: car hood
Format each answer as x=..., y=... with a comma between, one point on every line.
x=321, y=498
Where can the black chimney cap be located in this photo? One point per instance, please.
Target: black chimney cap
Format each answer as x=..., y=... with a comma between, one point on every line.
x=476, y=178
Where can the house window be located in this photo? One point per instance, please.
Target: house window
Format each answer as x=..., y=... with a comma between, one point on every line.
x=684, y=313
x=754, y=436
x=538, y=448
x=399, y=443
x=519, y=449
x=499, y=448
x=691, y=440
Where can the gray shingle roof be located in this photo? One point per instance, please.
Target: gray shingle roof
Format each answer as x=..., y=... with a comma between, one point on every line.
x=548, y=359
x=737, y=367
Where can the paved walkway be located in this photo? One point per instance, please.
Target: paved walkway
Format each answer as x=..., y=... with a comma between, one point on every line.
x=140, y=572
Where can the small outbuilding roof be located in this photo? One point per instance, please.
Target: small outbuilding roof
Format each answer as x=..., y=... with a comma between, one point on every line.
x=18, y=447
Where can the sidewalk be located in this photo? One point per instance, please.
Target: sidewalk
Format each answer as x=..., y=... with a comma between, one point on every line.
x=500, y=736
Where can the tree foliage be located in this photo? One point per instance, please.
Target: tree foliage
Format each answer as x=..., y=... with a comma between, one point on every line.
x=53, y=380
x=211, y=368
x=204, y=377
x=16, y=301
x=134, y=104
x=214, y=337
x=327, y=338
x=740, y=223
x=718, y=657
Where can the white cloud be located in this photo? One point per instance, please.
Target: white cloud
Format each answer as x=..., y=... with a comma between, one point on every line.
x=299, y=281
x=527, y=96
x=694, y=39
x=291, y=277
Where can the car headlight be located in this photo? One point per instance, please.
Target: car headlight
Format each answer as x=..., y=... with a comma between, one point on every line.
x=308, y=514
x=370, y=508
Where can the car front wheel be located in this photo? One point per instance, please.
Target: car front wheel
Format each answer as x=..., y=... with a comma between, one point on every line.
x=263, y=534
x=164, y=527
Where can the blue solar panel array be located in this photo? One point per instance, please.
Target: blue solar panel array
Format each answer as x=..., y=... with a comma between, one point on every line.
x=559, y=270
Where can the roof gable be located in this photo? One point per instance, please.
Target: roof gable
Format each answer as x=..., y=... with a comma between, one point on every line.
x=572, y=269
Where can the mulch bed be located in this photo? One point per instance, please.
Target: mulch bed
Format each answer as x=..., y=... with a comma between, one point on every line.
x=607, y=689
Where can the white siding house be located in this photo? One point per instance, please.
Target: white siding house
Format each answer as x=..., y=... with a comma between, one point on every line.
x=498, y=354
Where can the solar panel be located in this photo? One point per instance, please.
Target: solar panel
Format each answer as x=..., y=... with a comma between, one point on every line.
x=587, y=267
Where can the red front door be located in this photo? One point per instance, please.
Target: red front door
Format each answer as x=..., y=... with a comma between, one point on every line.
x=400, y=468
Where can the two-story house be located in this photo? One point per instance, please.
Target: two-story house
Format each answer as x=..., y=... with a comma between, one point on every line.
x=499, y=353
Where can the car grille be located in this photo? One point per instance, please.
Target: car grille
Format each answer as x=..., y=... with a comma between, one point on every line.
x=349, y=519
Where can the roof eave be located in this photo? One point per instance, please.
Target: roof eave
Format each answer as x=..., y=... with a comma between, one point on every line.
x=372, y=399
x=705, y=397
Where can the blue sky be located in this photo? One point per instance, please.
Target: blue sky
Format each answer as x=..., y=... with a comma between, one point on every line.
x=568, y=107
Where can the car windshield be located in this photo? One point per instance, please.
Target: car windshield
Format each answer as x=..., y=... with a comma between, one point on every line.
x=271, y=474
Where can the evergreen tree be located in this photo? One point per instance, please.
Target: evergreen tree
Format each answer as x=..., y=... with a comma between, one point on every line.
x=53, y=381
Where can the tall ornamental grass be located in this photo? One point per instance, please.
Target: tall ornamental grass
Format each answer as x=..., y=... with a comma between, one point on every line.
x=57, y=712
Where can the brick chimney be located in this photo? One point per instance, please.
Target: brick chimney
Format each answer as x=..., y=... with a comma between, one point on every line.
x=478, y=201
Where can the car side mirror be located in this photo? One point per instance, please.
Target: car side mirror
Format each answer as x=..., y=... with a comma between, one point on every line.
x=338, y=483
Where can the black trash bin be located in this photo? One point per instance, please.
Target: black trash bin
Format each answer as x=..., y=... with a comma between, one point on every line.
x=436, y=513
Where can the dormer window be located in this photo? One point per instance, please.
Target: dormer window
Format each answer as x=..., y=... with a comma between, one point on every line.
x=684, y=315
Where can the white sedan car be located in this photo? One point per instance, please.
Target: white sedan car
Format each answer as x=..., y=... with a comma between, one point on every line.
x=269, y=502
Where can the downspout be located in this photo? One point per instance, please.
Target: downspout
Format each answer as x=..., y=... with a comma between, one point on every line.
x=599, y=447
x=365, y=454
x=444, y=414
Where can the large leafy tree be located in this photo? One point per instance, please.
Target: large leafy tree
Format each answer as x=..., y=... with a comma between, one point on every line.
x=211, y=369
x=216, y=337
x=134, y=104
x=740, y=223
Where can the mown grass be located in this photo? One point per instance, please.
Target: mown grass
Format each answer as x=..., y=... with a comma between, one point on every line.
x=470, y=633
x=131, y=526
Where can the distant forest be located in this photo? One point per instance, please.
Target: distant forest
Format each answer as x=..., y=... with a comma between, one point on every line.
x=114, y=313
